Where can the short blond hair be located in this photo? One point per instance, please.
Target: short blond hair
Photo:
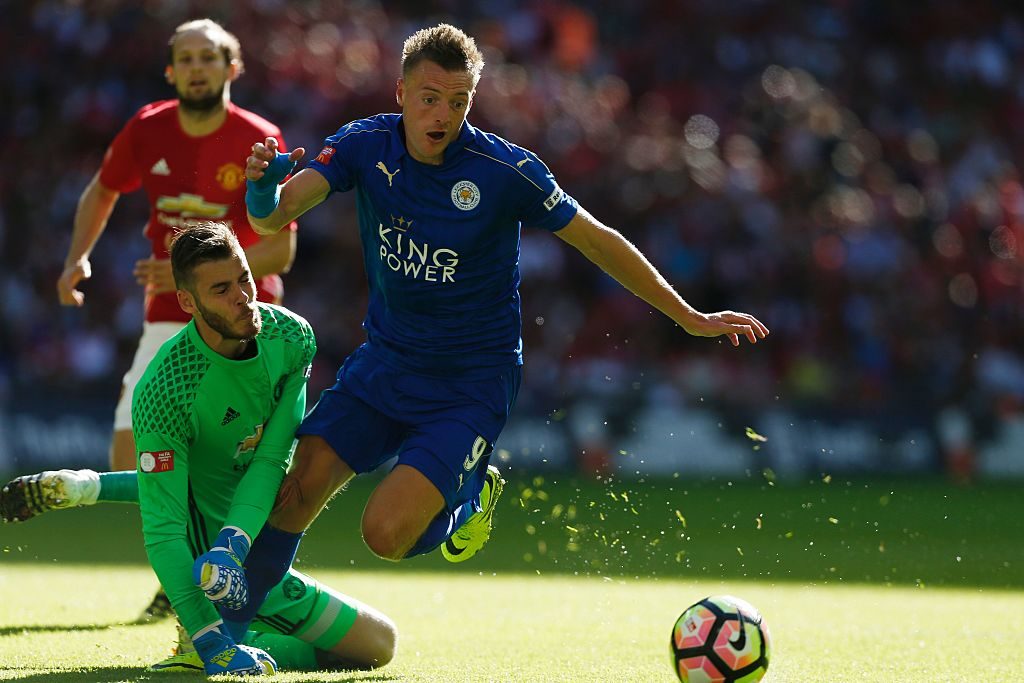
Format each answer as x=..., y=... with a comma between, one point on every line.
x=445, y=45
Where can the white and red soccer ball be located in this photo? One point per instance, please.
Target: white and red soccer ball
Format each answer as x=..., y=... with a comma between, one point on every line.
x=720, y=639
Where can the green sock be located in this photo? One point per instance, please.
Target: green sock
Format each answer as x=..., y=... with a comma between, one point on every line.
x=119, y=487
x=291, y=653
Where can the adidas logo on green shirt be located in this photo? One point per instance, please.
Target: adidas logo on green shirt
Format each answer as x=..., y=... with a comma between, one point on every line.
x=230, y=415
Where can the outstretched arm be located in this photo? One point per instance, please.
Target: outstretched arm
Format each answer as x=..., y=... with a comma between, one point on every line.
x=271, y=206
x=619, y=258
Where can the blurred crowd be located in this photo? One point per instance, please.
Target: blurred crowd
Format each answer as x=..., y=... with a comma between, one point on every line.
x=848, y=171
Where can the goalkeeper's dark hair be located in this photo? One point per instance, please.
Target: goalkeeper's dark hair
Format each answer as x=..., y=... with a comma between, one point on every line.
x=446, y=46
x=228, y=43
x=198, y=244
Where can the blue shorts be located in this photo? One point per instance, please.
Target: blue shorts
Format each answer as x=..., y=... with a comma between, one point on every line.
x=443, y=428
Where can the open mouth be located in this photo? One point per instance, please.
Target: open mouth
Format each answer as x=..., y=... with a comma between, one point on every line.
x=436, y=136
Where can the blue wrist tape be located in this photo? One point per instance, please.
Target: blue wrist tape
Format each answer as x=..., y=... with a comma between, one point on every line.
x=263, y=195
x=261, y=203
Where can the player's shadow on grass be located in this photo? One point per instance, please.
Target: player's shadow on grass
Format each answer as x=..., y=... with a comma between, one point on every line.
x=54, y=628
x=136, y=674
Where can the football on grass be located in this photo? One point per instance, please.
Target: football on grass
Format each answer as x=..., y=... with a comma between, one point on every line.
x=720, y=639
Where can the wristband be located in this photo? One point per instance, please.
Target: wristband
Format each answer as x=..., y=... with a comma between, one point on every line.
x=261, y=202
x=262, y=196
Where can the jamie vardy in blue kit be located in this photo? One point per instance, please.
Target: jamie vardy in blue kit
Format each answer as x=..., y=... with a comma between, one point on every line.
x=440, y=207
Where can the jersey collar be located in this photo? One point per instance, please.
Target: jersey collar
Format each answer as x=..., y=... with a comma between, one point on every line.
x=205, y=349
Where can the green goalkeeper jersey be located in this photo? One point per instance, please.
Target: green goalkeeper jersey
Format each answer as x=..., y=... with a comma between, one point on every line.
x=213, y=438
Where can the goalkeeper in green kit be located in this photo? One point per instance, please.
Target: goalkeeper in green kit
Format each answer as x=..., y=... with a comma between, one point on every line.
x=214, y=418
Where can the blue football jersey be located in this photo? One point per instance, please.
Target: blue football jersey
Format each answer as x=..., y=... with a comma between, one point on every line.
x=441, y=243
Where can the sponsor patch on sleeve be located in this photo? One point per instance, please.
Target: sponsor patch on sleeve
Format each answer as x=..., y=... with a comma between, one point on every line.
x=156, y=461
x=553, y=198
x=324, y=157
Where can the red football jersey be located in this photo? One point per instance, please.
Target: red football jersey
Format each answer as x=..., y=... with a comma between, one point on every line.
x=188, y=180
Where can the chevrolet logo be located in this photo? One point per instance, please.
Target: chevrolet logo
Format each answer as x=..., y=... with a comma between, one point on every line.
x=191, y=205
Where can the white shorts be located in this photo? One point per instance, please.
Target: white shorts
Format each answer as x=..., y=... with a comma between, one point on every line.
x=153, y=337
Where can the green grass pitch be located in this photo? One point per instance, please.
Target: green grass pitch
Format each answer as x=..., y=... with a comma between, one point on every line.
x=867, y=581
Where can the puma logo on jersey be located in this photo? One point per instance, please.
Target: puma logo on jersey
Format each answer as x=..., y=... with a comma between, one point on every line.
x=519, y=164
x=384, y=170
x=161, y=168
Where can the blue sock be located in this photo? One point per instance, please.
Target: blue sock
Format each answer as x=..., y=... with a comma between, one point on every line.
x=269, y=560
x=235, y=629
x=442, y=527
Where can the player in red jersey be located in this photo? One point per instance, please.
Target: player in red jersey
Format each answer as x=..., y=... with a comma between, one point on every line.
x=189, y=155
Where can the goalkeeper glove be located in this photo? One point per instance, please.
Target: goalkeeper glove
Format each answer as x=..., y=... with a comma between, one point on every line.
x=219, y=571
x=221, y=655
